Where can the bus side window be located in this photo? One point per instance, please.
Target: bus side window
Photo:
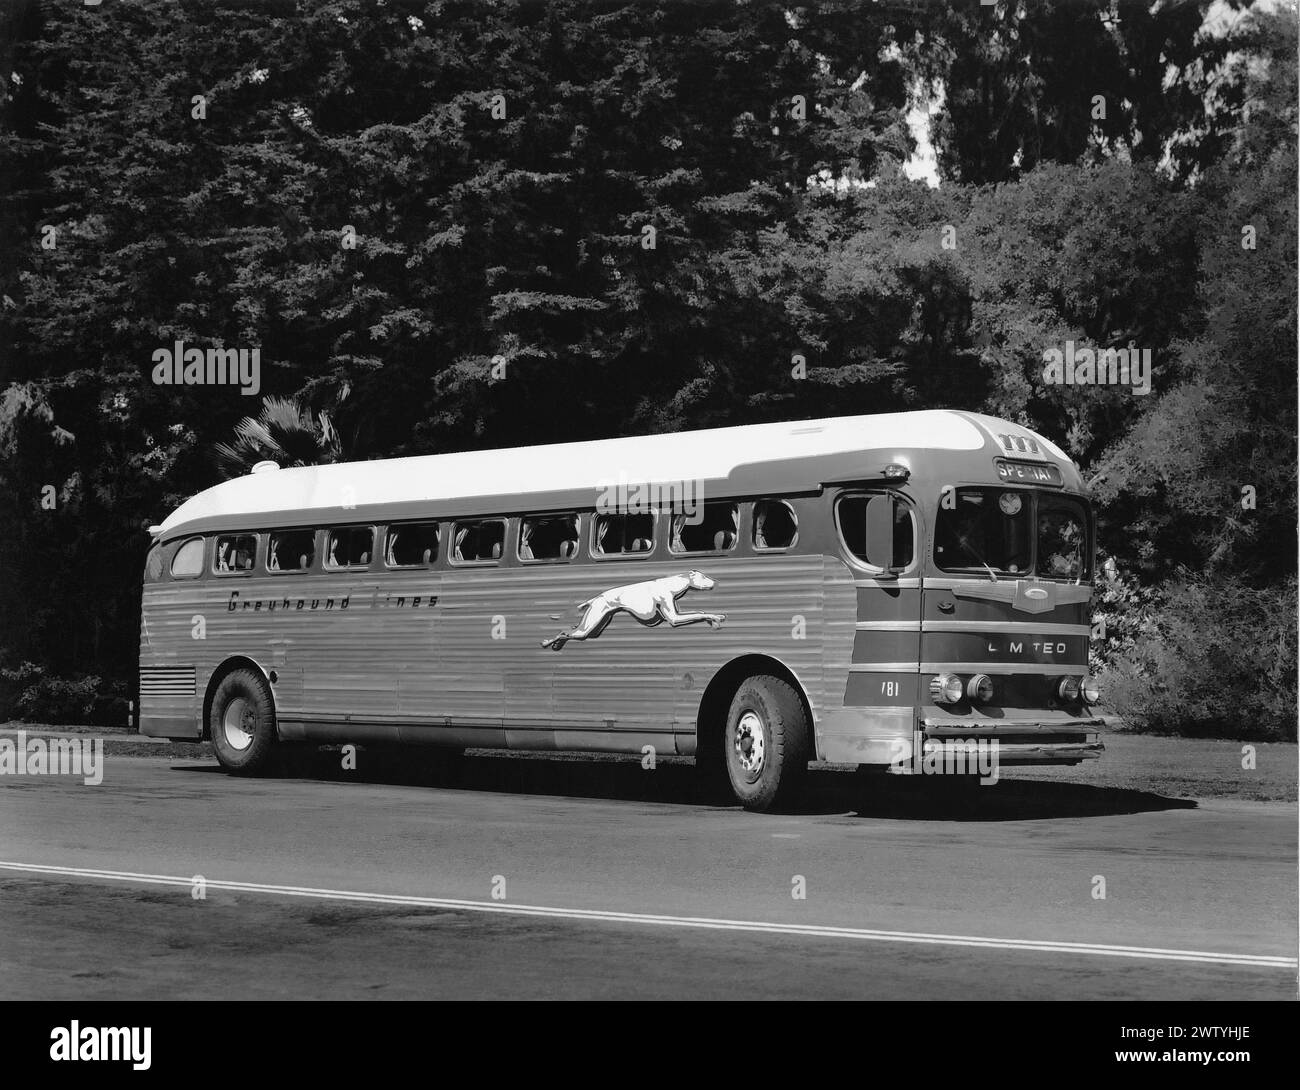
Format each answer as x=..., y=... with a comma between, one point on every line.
x=623, y=533
x=411, y=545
x=188, y=561
x=478, y=541
x=548, y=537
x=877, y=529
x=714, y=529
x=775, y=525
x=291, y=550
x=235, y=553
x=349, y=547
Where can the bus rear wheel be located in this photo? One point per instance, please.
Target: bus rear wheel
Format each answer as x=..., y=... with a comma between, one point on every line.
x=241, y=723
x=765, y=743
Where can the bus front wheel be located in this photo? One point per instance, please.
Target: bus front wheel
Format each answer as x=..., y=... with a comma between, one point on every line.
x=765, y=744
x=242, y=723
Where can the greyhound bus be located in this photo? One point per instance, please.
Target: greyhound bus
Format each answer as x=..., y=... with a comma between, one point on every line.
x=856, y=590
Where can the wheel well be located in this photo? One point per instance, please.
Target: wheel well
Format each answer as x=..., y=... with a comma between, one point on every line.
x=717, y=695
x=239, y=662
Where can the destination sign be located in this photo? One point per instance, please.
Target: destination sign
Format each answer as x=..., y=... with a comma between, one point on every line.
x=1027, y=472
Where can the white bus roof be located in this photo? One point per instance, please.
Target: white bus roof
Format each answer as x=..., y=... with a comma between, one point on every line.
x=791, y=456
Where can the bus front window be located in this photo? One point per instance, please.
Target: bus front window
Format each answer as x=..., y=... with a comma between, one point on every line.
x=1005, y=532
x=1062, y=539
x=985, y=530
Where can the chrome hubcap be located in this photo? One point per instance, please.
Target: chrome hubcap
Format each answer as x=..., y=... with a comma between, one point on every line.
x=238, y=723
x=751, y=742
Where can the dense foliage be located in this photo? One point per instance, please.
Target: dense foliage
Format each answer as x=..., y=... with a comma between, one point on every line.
x=449, y=225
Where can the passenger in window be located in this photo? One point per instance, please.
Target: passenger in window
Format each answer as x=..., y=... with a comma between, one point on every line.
x=548, y=538
x=716, y=528
x=411, y=545
x=288, y=547
x=479, y=540
x=625, y=533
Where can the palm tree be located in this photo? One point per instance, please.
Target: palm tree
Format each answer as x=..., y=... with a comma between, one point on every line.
x=284, y=432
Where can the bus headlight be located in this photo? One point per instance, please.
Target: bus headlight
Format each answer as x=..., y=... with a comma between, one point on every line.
x=1091, y=690
x=946, y=688
x=1068, y=689
x=980, y=689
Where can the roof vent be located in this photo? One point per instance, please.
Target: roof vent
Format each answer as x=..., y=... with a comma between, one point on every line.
x=264, y=467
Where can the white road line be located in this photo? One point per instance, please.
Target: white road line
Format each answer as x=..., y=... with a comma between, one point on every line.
x=806, y=930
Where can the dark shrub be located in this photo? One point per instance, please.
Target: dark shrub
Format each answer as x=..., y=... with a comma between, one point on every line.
x=1209, y=659
x=28, y=693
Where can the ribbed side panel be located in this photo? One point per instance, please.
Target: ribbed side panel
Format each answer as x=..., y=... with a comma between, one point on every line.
x=465, y=645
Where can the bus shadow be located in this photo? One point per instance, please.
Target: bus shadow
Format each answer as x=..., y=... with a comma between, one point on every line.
x=934, y=798
x=848, y=793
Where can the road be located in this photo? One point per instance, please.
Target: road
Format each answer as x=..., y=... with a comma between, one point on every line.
x=581, y=877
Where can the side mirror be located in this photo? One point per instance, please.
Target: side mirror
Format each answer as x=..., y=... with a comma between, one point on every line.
x=880, y=534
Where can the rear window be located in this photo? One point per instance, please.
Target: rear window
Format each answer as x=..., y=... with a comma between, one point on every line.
x=548, y=537
x=235, y=553
x=411, y=545
x=715, y=528
x=349, y=547
x=478, y=541
x=623, y=534
x=291, y=550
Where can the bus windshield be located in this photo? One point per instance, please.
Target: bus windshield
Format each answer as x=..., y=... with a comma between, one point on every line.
x=1013, y=532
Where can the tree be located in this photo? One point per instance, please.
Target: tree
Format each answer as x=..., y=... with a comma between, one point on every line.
x=284, y=432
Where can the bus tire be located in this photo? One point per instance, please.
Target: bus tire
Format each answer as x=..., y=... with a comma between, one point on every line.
x=766, y=742
x=241, y=723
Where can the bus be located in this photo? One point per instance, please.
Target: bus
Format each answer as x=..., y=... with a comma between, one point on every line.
x=862, y=590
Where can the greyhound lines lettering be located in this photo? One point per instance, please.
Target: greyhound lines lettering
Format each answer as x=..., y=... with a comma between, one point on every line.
x=876, y=587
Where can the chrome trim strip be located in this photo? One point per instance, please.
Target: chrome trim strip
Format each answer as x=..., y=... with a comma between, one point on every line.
x=886, y=584
x=882, y=668
x=1007, y=626
x=1007, y=581
x=888, y=626
x=1004, y=668
x=875, y=710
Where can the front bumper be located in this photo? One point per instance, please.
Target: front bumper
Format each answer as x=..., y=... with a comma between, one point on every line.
x=1021, y=742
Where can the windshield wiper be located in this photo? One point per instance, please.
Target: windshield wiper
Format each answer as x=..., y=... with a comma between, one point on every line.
x=965, y=544
x=983, y=563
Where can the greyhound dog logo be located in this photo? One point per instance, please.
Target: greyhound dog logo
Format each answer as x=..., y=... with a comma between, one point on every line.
x=650, y=603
